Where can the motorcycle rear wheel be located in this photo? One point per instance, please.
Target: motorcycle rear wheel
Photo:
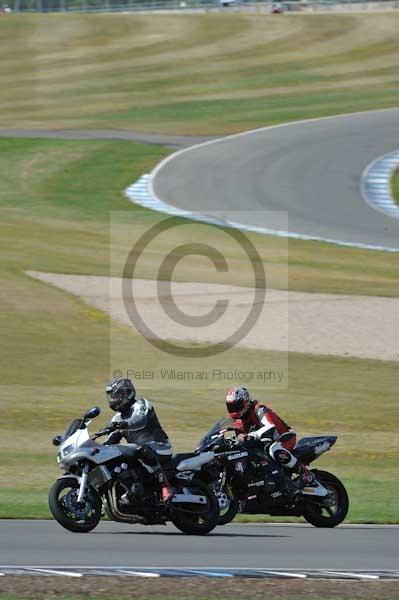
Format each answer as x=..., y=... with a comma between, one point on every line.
x=316, y=515
x=197, y=523
x=63, y=506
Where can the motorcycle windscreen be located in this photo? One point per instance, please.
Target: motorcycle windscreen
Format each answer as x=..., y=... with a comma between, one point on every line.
x=219, y=425
x=72, y=428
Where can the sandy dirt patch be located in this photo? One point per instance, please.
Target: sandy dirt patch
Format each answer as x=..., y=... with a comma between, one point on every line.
x=329, y=324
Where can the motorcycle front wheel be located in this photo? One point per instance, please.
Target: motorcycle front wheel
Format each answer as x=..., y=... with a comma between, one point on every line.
x=333, y=514
x=195, y=519
x=64, y=506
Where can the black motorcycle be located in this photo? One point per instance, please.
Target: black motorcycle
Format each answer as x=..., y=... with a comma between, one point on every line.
x=245, y=480
x=116, y=478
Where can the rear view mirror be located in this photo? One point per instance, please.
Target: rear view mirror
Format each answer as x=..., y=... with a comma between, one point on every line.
x=92, y=413
x=57, y=439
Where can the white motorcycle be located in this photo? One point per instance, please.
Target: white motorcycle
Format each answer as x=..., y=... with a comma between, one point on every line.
x=116, y=478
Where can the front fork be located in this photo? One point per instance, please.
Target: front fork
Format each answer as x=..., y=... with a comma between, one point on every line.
x=83, y=484
x=222, y=479
x=219, y=489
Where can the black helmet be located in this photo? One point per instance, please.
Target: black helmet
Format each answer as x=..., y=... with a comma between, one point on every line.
x=121, y=394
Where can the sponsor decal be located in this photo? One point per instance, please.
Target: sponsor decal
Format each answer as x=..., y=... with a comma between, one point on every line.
x=256, y=484
x=236, y=456
x=276, y=494
x=239, y=467
x=185, y=476
x=320, y=448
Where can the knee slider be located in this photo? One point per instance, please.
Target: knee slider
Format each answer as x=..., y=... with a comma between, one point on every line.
x=282, y=456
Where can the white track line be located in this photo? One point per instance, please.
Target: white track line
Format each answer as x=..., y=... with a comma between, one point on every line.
x=207, y=573
x=283, y=573
x=139, y=193
x=139, y=573
x=349, y=574
x=142, y=192
x=376, y=186
x=54, y=572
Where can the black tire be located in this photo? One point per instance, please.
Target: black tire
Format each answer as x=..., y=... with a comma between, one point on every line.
x=197, y=524
x=227, y=514
x=62, y=505
x=315, y=514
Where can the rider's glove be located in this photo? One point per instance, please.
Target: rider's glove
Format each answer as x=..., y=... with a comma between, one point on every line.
x=111, y=426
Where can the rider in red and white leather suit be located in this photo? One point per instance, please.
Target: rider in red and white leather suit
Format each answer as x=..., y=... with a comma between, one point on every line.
x=259, y=422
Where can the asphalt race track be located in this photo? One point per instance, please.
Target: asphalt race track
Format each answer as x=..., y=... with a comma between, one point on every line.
x=46, y=544
x=312, y=170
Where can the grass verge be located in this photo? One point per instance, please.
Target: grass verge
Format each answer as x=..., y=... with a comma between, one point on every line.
x=187, y=588
x=55, y=198
x=203, y=73
x=395, y=186
x=325, y=395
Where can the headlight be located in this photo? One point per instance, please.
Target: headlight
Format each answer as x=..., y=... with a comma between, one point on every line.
x=67, y=450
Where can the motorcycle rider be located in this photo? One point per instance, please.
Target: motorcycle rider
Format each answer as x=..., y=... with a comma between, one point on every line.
x=137, y=422
x=258, y=422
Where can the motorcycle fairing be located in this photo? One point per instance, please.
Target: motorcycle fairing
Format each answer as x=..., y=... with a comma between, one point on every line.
x=310, y=448
x=195, y=463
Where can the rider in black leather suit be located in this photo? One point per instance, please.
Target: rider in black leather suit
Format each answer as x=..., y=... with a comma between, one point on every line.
x=137, y=422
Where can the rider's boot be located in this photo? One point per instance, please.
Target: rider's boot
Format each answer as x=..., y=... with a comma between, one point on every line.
x=166, y=488
x=306, y=477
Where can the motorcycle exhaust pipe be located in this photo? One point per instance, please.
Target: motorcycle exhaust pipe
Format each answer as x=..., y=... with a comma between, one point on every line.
x=117, y=515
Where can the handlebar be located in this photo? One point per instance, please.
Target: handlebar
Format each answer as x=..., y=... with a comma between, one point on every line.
x=100, y=433
x=122, y=426
x=236, y=431
x=223, y=444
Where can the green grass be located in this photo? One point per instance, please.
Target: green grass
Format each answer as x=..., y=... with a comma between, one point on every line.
x=395, y=187
x=55, y=198
x=325, y=395
x=178, y=74
x=193, y=73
